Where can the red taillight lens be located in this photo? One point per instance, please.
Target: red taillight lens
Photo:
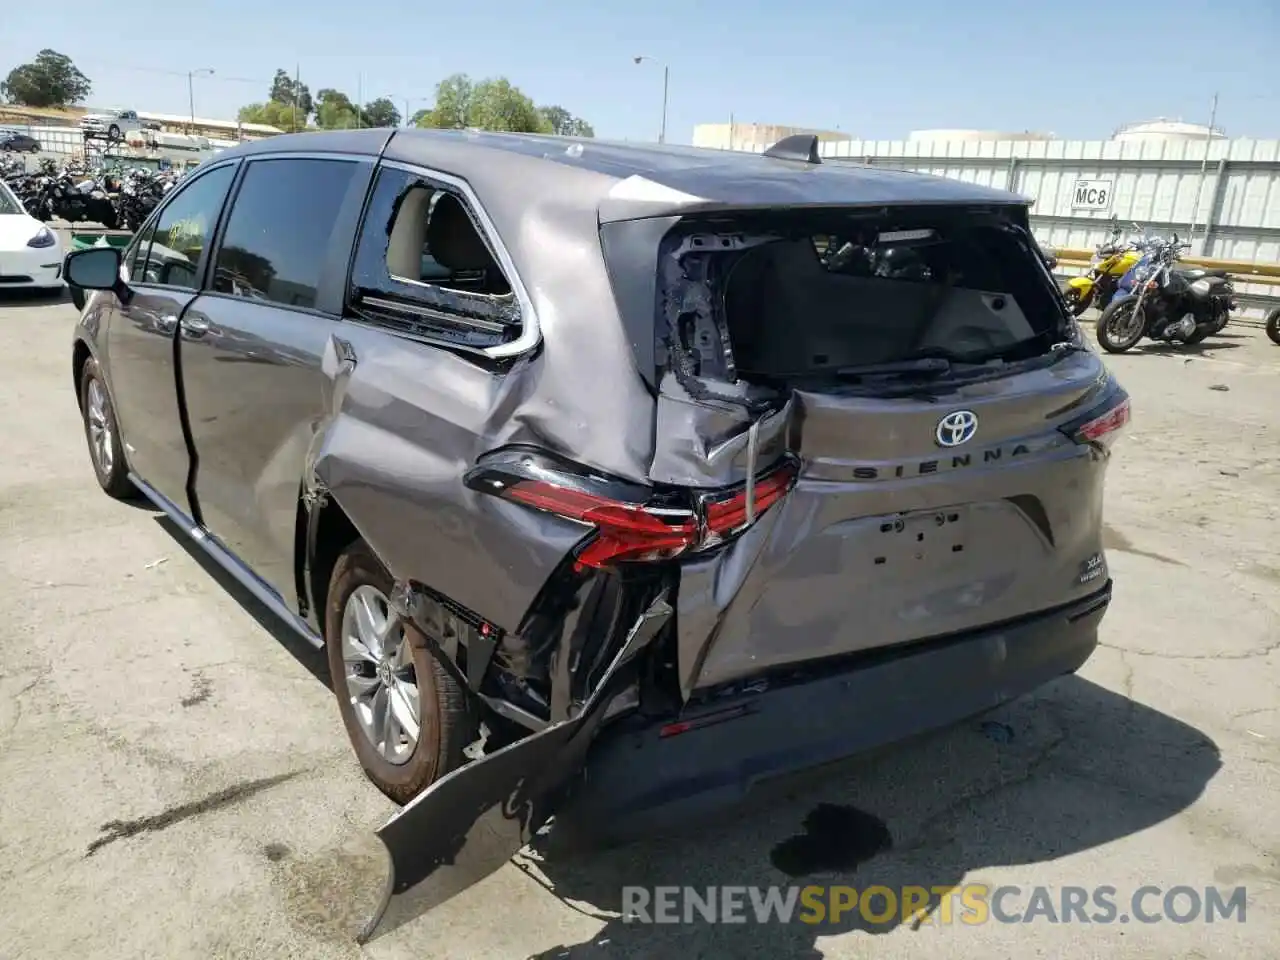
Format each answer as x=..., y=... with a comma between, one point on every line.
x=1104, y=429
x=736, y=511
x=628, y=530
x=625, y=531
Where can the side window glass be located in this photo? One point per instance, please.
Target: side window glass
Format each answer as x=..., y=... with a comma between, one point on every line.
x=423, y=266
x=183, y=231
x=277, y=237
x=137, y=257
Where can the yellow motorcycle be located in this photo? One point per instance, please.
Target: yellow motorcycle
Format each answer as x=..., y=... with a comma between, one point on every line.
x=1110, y=262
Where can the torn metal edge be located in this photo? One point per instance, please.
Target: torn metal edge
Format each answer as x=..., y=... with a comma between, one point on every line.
x=658, y=612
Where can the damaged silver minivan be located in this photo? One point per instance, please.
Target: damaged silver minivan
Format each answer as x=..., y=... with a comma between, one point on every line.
x=615, y=479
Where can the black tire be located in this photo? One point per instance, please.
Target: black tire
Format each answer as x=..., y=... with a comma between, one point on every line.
x=1273, y=325
x=113, y=132
x=1111, y=318
x=446, y=722
x=97, y=412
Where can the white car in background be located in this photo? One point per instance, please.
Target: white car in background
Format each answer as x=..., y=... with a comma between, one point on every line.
x=30, y=253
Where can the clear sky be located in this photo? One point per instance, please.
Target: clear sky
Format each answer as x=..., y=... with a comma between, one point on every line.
x=875, y=70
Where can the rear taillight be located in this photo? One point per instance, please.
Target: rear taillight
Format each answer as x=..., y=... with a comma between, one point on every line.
x=624, y=531
x=631, y=522
x=725, y=514
x=1105, y=427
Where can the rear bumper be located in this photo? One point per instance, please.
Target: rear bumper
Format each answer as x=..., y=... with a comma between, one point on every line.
x=638, y=782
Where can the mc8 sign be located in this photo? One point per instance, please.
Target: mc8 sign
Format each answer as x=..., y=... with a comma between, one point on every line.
x=1091, y=195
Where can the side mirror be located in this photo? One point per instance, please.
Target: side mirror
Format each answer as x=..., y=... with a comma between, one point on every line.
x=97, y=268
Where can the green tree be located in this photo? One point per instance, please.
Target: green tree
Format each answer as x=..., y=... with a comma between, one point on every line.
x=51, y=80
x=334, y=110
x=381, y=113
x=282, y=116
x=419, y=118
x=492, y=104
x=453, y=99
x=565, y=124
x=284, y=89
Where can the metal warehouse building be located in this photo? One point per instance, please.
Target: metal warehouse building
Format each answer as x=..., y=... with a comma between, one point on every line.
x=1165, y=175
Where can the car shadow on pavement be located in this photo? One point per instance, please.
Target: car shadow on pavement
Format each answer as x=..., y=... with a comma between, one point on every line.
x=314, y=660
x=1063, y=771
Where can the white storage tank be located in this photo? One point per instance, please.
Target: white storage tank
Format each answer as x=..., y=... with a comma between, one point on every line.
x=1165, y=129
x=943, y=135
x=754, y=137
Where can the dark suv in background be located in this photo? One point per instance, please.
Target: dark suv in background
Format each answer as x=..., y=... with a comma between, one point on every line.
x=683, y=468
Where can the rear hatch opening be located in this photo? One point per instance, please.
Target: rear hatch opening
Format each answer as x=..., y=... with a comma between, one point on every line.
x=837, y=298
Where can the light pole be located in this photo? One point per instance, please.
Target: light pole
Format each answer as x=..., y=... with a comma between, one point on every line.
x=409, y=100
x=191, y=91
x=666, y=76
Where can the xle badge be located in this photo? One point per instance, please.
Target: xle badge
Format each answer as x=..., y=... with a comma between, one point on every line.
x=1091, y=569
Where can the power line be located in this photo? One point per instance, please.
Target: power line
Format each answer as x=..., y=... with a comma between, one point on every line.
x=175, y=73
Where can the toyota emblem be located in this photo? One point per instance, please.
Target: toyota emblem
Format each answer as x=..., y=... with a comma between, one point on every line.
x=957, y=428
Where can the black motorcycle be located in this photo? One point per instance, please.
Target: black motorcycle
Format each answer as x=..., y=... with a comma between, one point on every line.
x=1159, y=300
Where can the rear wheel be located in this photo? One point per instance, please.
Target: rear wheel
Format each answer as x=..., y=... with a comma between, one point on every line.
x=407, y=718
x=1273, y=325
x=1121, y=326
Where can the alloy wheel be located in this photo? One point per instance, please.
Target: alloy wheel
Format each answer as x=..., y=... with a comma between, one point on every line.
x=381, y=682
x=101, y=440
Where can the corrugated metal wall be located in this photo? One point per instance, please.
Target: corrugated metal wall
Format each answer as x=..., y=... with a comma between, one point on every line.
x=1230, y=189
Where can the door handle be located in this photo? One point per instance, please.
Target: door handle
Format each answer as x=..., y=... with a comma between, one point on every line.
x=193, y=328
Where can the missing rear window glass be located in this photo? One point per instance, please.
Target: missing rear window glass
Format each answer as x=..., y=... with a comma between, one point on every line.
x=832, y=294
x=425, y=268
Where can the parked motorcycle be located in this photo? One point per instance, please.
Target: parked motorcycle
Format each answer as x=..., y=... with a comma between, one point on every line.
x=83, y=191
x=1111, y=261
x=1159, y=300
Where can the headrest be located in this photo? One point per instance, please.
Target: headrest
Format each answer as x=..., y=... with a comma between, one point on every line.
x=452, y=238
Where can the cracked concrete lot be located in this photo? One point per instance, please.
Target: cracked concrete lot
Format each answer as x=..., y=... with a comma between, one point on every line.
x=174, y=779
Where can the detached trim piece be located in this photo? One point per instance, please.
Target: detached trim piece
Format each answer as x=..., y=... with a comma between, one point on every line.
x=469, y=823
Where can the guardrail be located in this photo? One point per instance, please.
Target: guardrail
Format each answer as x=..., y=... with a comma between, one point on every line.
x=1254, y=272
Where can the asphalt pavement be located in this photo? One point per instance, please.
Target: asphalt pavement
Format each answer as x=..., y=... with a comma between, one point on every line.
x=175, y=782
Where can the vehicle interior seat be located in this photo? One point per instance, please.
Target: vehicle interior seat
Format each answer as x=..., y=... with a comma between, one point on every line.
x=434, y=240
x=455, y=244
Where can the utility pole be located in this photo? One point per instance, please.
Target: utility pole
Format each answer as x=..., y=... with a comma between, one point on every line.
x=666, y=82
x=359, y=99
x=297, y=77
x=191, y=93
x=1204, y=163
x=666, y=76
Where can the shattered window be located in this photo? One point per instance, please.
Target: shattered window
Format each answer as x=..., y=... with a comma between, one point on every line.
x=424, y=266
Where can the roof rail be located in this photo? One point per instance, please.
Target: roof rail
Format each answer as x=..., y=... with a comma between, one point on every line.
x=800, y=146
